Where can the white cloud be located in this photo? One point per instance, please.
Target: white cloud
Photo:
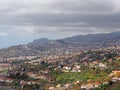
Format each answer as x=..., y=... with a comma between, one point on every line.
x=3, y=34
x=27, y=17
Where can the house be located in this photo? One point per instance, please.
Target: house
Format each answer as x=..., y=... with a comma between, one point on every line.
x=76, y=69
x=105, y=83
x=22, y=82
x=90, y=86
x=31, y=74
x=51, y=88
x=5, y=79
x=101, y=65
x=67, y=85
x=115, y=79
x=114, y=74
x=66, y=69
x=84, y=87
x=118, y=58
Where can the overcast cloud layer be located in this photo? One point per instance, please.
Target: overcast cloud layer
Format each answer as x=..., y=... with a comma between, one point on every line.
x=24, y=20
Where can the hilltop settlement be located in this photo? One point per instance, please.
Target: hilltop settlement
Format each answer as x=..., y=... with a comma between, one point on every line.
x=72, y=67
x=97, y=69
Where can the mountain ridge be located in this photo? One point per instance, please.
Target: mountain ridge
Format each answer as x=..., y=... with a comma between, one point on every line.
x=79, y=41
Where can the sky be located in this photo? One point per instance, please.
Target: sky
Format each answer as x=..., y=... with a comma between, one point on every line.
x=22, y=21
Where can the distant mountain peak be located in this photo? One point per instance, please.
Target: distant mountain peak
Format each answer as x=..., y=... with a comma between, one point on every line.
x=40, y=41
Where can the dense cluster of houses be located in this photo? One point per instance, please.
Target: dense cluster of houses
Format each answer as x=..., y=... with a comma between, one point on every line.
x=115, y=75
x=67, y=63
x=4, y=79
x=90, y=86
x=35, y=76
x=5, y=66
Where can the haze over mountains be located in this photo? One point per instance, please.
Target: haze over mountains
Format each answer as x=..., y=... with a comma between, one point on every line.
x=81, y=42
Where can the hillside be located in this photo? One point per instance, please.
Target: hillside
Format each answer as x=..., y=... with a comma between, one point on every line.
x=93, y=38
x=79, y=42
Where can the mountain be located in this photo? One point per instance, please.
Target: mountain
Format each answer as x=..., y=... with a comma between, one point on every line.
x=79, y=42
x=93, y=38
x=41, y=41
x=31, y=49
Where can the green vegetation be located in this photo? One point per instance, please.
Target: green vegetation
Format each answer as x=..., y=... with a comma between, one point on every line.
x=118, y=88
x=84, y=76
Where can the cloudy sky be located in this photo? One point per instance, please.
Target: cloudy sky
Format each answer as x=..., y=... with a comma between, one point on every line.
x=22, y=21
